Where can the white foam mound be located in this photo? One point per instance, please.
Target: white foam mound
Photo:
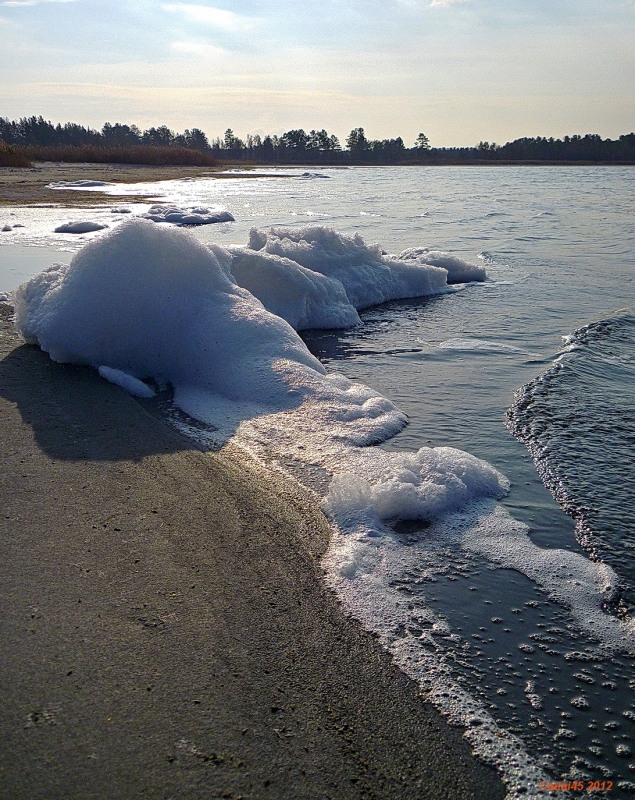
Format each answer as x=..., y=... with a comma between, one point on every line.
x=367, y=275
x=301, y=296
x=423, y=485
x=153, y=302
x=196, y=215
x=80, y=227
x=459, y=271
x=82, y=184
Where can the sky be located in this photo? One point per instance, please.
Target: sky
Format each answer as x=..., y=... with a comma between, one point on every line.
x=460, y=71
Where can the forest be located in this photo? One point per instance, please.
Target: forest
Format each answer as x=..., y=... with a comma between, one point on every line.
x=36, y=139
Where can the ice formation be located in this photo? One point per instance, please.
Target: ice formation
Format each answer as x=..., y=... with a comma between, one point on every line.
x=80, y=227
x=197, y=215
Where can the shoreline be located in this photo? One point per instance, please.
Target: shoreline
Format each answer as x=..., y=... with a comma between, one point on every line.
x=168, y=630
x=26, y=186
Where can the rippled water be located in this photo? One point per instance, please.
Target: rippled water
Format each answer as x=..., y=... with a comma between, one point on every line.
x=578, y=421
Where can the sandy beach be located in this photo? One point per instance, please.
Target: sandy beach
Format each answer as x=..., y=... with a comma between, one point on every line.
x=167, y=633
x=26, y=186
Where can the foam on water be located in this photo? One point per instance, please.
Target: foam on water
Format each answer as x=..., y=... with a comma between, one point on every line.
x=301, y=296
x=368, y=275
x=195, y=215
x=151, y=302
x=84, y=226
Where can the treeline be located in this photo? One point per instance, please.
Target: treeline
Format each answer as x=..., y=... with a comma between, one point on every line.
x=570, y=148
x=36, y=139
x=36, y=131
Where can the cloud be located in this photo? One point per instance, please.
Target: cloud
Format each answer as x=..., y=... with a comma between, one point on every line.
x=216, y=17
x=17, y=3
x=446, y=3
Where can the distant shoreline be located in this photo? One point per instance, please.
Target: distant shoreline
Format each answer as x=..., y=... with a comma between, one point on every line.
x=27, y=186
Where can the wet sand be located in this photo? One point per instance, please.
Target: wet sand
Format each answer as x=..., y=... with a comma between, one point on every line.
x=166, y=630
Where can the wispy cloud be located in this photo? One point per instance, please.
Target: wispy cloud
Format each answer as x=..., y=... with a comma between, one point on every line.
x=18, y=3
x=215, y=17
x=445, y=3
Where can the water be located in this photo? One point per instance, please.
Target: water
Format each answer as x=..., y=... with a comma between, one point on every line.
x=578, y=421
x=558, y=245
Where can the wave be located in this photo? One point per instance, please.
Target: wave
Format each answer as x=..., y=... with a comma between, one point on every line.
x=577, y=420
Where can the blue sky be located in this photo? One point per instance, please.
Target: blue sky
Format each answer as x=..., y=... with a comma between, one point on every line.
x=459, y=70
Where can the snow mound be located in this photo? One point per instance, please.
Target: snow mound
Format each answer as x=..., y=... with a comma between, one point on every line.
x=187, y=216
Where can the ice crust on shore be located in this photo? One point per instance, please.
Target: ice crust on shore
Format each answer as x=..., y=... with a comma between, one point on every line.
x=80, y=184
